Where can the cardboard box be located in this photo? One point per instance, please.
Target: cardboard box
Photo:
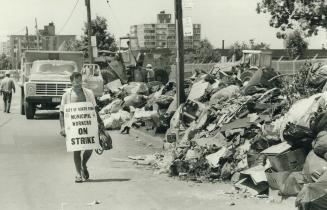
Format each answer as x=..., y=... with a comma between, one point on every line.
x=276, y=179
x=288, y=161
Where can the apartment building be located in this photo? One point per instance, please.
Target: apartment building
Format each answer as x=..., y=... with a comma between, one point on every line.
x=5, y=48
x=162, y=34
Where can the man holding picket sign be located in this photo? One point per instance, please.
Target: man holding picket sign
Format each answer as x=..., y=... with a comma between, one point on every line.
x=80, y=124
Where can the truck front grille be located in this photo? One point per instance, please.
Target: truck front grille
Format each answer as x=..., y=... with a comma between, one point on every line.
x=51, y=89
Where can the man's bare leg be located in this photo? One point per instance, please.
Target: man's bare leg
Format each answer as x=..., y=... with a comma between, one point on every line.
x=86, y=156
x=77, y=161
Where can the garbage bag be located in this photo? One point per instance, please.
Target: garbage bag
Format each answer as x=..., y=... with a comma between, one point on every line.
x=320, y=144
x=175, y=120
x=164, y=120
x=297, y=135
x=178, y=167
x=318, y=123
x=154, y=86
x=164, y=101
x=198, y=90
x=105, y=97
x=113, y=107
x=136, y=88
x=135, y=100
x=116, y=120
x=261, y=78
x=214, y=158
x=293, y=184
x=224, y=93
x=226, y=171
x=318, y=78
x=141, y=114
x=312, y=197
x=114, y=86
x=302, y=112
x=313, y=167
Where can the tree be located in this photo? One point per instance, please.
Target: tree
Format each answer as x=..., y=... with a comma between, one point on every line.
x=260, y=46
x=99, y=28
x=307, y=15
x=236, y=49
x=72, y=45
x=295, y=44
x=190, y=57
x=4, y=62
x=205, y=52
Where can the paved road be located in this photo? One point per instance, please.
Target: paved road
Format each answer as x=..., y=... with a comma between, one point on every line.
x=36, y=173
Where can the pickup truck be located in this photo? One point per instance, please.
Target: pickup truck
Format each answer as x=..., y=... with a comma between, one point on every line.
x=45, y=78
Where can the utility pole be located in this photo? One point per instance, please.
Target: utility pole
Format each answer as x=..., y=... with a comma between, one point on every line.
x=88, y=8
x=26, y=36
x=180, y=52
x=37, y=35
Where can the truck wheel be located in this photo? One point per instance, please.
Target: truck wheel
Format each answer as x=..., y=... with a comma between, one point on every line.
x=29, y=110
x=22, y=107
x=247, y=75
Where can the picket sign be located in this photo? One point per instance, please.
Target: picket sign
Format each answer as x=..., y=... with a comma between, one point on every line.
x=81, y=127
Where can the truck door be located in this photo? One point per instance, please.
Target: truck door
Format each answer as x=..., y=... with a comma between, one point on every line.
x=26, y=71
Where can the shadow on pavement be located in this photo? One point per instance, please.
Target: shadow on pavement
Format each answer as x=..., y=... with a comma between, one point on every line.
x=108, y=180
x=47, y=116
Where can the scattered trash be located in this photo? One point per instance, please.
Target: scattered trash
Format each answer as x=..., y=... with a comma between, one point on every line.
x=94, y=203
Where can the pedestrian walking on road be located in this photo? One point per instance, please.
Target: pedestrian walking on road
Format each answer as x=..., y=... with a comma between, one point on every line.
x=73, y=95
x=7, y=87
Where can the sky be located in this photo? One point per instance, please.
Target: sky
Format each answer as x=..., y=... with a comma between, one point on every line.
x=229, y=20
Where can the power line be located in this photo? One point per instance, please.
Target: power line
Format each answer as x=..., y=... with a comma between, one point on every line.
x=70, y=15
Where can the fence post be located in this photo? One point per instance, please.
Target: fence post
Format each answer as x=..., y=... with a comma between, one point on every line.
x=315, y=57
x=278, y=63
x=297, y=57
x=293, y=67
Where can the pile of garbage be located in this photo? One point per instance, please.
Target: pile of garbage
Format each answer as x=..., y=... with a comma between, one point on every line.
x=138, y=104
x=267, y=133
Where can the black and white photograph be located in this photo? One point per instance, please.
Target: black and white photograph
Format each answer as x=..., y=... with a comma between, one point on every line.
x=163, y=104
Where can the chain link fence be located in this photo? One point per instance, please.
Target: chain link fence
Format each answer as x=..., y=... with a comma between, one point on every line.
x=283, y=67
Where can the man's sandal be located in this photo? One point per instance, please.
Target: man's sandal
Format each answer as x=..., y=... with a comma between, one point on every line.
x=78, y=179
x=85, y=173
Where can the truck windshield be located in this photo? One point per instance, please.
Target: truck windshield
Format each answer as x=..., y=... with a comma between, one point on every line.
x=54, y=68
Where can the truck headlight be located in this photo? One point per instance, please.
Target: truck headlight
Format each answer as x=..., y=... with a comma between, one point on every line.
x=30, y=89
